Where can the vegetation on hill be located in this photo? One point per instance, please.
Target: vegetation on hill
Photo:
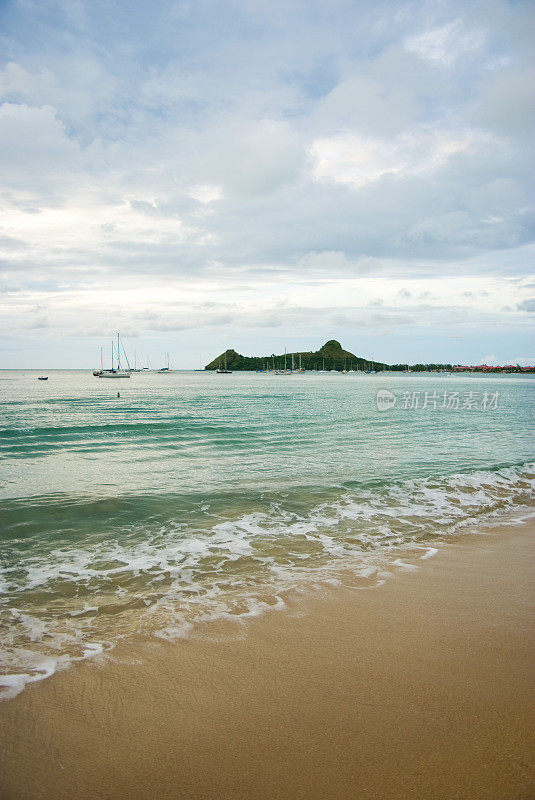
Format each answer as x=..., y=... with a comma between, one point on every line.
x=330, y=356
x=333, y=356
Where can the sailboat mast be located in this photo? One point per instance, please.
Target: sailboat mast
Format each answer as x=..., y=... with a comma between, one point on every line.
x=118, y=354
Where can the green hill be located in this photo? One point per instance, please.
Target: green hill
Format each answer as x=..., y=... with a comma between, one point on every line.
x=330, y=356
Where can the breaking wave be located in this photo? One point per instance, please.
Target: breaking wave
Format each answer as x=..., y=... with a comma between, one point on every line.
x=160, y=567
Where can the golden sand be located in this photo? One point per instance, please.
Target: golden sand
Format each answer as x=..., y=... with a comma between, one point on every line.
x=421, y=688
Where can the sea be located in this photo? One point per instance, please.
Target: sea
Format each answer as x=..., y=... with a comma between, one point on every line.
x=159, y=505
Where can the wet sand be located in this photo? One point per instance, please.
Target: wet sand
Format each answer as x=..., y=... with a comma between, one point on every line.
x=421, y=688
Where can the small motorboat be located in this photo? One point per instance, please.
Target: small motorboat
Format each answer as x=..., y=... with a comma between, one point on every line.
x=42, y=378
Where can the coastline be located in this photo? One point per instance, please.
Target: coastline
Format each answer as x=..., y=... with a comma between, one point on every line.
x=418, y=688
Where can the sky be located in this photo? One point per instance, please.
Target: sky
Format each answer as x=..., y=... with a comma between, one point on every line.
x=266, y=175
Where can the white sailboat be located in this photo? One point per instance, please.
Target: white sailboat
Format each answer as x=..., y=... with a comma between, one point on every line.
x=223, y=370
x=136, y=368
x=114, y=373
x=167, y=367
x=98, y=372
x=284, y=371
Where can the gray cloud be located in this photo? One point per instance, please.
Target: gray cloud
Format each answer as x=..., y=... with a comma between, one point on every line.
x=213, y=143
x=527, y=305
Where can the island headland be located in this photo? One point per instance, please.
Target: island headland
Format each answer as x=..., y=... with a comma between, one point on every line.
x=333, y=357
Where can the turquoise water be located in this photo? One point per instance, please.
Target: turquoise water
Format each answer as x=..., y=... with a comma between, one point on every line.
x=196, y=496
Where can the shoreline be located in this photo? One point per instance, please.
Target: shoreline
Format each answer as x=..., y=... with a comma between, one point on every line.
x=418, y=688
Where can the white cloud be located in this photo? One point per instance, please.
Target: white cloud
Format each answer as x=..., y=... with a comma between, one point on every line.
x=358, y=161
x=446, y=43
x=494, y=361
x=206, y=194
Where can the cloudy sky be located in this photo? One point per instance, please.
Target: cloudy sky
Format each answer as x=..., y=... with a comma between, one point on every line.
x=260, y=175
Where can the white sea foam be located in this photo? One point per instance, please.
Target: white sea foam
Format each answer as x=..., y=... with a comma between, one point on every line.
x=429, y=553
x=14, y=683
x=75, y=602
x=404, y=566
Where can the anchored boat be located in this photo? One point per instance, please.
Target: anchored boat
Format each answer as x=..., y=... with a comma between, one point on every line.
x=113, y=372
x=167, y=367
x=223, y=370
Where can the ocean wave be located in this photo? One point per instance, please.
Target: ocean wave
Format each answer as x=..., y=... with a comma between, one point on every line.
x=166, y=573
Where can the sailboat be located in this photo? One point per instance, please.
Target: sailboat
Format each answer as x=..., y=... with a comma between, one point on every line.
x=167, y=367
x=224, y=370
x=98, y=372
x=136, y=368
x=114, y=373
x=284, y=371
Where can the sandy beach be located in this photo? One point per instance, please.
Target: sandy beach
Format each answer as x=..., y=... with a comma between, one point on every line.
x=420, y=688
